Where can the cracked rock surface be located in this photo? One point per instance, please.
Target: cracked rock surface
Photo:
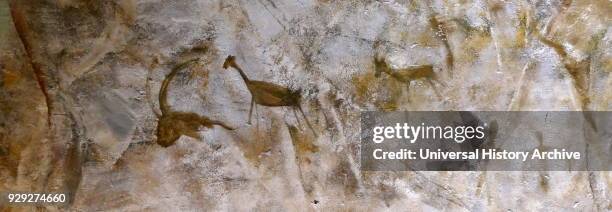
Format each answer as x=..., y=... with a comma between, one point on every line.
x=81, y=99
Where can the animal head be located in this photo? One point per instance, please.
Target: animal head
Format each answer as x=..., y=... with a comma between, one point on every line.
x=294, y=96
x=297, y=92
x=167, y=134
x=379, y=66
x=229, y=61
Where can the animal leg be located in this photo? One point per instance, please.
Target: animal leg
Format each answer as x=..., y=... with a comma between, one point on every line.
x=297, y=119
x=227, y=127
x=306, y=119
x=256, y=116
x=408, y=90
x=251, y=110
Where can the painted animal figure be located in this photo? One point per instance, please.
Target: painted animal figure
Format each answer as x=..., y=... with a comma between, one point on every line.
x=268, y=94
x=407, y=75
x=172, y=124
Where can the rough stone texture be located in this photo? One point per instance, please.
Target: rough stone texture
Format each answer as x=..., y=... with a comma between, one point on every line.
x=80, y=82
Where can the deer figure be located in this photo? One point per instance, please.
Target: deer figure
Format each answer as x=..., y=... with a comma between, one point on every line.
x=407, y=75
x=172, y=124
x=268, y=94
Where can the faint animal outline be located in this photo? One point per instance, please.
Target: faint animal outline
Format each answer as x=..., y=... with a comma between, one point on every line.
x=407, y=75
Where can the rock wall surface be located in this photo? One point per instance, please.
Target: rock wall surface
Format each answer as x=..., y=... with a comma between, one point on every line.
x=82, y=112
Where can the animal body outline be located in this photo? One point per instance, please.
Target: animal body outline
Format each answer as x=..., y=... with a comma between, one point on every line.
x=268, y=94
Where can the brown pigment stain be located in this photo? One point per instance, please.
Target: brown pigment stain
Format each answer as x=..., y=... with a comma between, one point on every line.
x=544, y=180
x=474, y=44
x=578, y=70
x=73, y=165
x=521, y=31
x=425, y=39
x=578, y=182
x=304, y=148
x=9, y=78
x=607, y=64
x=363, y=84
x=388, y=194
x=544, y=183
x=303, y=144
x=464, y=25
x=481, y=181
x=385, y=95
x=342, y=175
x=23, y=32
x=496, y=7
x=254, y=149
